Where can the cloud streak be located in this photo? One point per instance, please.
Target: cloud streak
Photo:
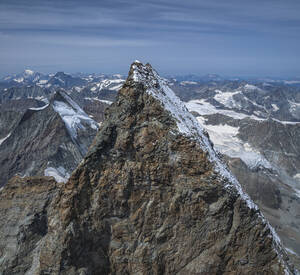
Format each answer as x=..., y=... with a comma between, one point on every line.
x=198, y=31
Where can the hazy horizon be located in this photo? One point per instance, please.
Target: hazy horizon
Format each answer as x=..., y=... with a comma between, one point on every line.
x=249, y=39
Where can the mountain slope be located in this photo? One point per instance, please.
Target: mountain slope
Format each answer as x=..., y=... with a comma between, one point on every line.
x=50, y=140
x=152, y=197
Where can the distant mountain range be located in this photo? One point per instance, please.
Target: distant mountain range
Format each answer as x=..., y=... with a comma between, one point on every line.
x=66, y=80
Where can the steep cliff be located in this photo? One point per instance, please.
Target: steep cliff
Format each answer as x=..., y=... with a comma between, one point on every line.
x=152, y=197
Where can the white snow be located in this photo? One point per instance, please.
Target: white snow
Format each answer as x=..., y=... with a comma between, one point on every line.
x=297, y=191
x=275, y=107
x=73, y=116
x=183, y=83
x=3, y=139
x=251, y=87
x=110, y=84
x=226, y=98
x=29, y=72
x=78, y=89
x=294, y=106
x=291, y=82
x=42, y=81
x=39, y=108
x=59, y=174
x=101, y=100
x=116, y=88
x=291, y=251
x=286, y=122
x=202, y=107
x=297, y=177
x=226, y=142
x=19, y=80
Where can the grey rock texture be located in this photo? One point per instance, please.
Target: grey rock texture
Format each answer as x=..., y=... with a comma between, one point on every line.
x=24, y=203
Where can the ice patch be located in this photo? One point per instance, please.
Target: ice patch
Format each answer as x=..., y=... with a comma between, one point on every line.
x=202, y=107
x=59, y=174
x=29, y=72
x=19, y=80
x=3, y=139
x=297, y=177
x=183, y=83
x=39, y=108
x=251, y=87
x=226, y=98
x=73, y=116
x=275, y=107
x=43, y=81
x=97, y=99
x=226, y=142
x=291, y=251
x=110, y=84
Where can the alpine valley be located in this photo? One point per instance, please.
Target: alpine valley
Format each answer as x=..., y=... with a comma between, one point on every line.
x=139, y=174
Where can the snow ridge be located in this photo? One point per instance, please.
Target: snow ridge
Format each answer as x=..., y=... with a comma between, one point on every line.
x=186, y=122
x=189, y=126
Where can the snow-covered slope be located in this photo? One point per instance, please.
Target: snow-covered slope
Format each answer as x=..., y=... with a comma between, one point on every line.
x=74, y=117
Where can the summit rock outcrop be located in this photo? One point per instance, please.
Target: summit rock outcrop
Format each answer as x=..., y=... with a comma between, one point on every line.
x=152, y=197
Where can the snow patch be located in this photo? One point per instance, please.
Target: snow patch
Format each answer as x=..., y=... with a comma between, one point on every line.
x=39, y=108
x=291, y=251
x=226, y=98
x=184, y=83
x=226, y=142
x=275, y=107
x=97, y=99
x=73, y=116
x=251, y=87
x=297, y=177
x=60, y=174
x=19, y=80
x=202, y=107
x=29, y=72
x=3, y=139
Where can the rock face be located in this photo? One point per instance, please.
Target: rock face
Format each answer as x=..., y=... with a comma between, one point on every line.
x=152, y=197
x=24, y=203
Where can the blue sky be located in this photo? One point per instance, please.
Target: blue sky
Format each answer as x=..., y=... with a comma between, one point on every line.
x=228, y=37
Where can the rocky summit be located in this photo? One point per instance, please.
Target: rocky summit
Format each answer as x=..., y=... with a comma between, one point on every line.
x=150, y=197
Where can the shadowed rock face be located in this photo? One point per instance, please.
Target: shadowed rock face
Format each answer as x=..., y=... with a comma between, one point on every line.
x=148, y=200
x=24, y=203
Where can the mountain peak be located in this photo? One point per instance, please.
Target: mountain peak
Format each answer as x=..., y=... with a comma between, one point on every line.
x=187, y=124
x=28, y=72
